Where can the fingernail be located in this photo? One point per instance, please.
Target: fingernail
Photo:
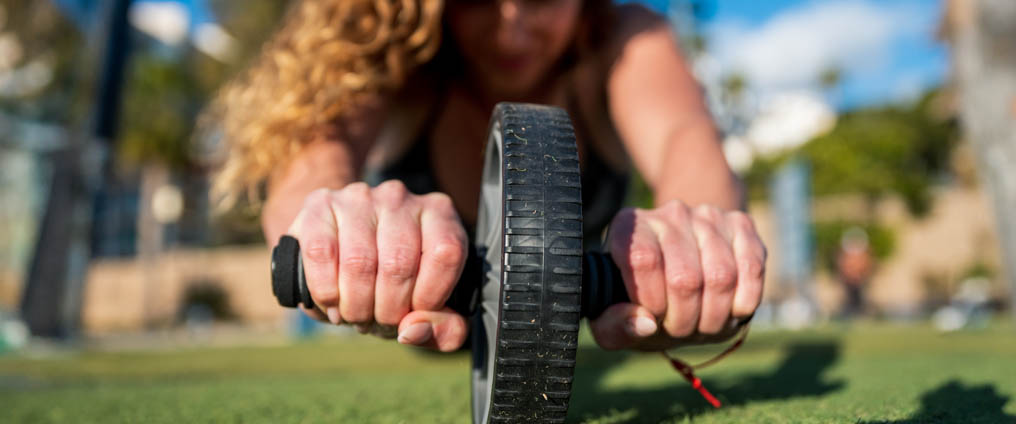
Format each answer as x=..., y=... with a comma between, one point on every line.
x=333, y=315
x=416, y=334
x=641, y=327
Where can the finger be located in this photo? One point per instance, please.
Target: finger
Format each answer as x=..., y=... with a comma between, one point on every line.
x=317, y=231
x=315, y=313
x=398, y=249
x=683, y=274
x=622, y=326
x=719, y=276
x=358, y=256
x=750, y=256
x=442, y=330
x=637, y=254
x=444, y=253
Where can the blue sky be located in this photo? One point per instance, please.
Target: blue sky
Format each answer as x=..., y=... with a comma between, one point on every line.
x=886, y=48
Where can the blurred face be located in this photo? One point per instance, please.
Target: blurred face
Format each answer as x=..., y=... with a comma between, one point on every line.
x=510, y=45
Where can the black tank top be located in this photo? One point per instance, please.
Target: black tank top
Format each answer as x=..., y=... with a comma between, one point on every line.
x=603, y=188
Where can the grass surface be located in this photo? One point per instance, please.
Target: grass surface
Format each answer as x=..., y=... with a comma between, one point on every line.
x=862, y=374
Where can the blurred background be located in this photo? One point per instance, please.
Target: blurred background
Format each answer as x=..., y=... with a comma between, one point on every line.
x=877, y=140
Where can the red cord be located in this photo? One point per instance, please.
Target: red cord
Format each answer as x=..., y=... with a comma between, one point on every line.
x=687, y=371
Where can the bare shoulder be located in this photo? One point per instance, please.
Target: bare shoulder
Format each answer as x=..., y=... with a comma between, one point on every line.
x=634, y=21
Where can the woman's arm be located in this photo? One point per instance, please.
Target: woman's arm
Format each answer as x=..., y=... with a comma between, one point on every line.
x=333, y=160
x=322, y=164
x=693, y=264
x=400, y=254
x=658, y=110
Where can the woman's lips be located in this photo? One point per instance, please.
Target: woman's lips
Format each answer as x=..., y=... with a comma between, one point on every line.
x=514, y=63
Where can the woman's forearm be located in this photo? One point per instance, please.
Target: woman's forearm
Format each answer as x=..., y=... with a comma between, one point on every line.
x=695, y=171
x=323, y=164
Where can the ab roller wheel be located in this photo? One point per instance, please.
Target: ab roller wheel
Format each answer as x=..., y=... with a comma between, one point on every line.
x=527, y=281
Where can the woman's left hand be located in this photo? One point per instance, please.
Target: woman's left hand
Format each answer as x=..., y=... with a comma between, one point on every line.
x=693, y=274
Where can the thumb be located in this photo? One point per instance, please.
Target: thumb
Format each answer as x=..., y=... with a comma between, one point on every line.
x=443, y=330
x=623, y=325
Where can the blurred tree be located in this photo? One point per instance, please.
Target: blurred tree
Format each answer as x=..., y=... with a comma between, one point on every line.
x=736, y=114
x=829, y=81
x=900, y=150
x=40, y=58
x=830, y=77
x=166, y=92
x=734, y=86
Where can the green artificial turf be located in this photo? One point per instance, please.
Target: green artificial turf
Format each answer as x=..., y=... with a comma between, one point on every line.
x=862, y=374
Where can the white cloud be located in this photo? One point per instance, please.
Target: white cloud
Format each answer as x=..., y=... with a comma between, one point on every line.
x=166, y=21
x=791, y=50
x=214, y=41
x=789, y=120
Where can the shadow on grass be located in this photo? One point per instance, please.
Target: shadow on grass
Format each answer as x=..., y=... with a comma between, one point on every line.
x=800, y=374
x=953, y=403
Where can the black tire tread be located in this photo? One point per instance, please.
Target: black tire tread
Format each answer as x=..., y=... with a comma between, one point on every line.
x=541, y=295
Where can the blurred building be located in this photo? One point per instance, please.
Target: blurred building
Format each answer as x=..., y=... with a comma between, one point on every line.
x=982, y=34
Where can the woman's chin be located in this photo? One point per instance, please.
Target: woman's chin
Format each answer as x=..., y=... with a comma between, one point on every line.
x=510, y=88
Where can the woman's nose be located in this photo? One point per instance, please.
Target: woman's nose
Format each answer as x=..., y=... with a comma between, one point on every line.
x=510, y=11
x=511, y=31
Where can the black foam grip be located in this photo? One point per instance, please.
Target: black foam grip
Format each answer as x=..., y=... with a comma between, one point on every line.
x=290, y=286
x=602, y=285
x=285, y=265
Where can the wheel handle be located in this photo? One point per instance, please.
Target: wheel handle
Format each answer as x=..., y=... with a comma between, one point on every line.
x=602, y=285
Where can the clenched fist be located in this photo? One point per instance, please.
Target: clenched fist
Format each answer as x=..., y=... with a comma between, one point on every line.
x=692, y=274
x=384, y=258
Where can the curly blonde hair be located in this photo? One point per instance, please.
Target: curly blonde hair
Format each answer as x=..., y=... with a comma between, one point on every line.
x=327, y=57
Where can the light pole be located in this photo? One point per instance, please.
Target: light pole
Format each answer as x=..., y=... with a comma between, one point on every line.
x=51, y=303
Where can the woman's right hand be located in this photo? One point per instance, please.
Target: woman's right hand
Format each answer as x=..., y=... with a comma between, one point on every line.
x=384, y=256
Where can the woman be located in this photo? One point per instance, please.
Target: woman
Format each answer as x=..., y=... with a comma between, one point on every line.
x=401, y=91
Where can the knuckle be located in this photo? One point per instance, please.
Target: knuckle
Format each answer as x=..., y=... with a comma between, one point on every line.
x=643, y=258
x=685, y=281
x=317, y=196
x=391, y=194
x=394, y=186
x=356, y=191
x=720, y=278
x=359, y=263
x=753, y=268
x=398, y=264
x=321, y=250
x=318, y=199
x=449, y=252
x=677, y=209
x=741, y=220
x=708, y=213
x=440, y=201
